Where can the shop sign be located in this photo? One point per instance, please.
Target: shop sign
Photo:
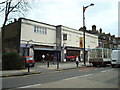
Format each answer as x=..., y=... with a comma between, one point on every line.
x=81, y=42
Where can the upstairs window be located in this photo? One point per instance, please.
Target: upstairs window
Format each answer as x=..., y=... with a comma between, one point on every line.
x=40, y=30
x=35, y=29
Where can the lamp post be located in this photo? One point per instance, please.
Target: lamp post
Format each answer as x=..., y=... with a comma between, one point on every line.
x=28, y=53
x=84, y=28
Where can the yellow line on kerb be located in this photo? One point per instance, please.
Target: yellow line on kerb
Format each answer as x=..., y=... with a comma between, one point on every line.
x=51, y=67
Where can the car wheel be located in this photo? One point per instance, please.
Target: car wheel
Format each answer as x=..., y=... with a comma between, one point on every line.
x=94, y=65
x=112, y=65
x=105, y=65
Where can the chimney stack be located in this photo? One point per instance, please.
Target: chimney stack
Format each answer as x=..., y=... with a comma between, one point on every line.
x=15, y=19
x=94, y=28
x=100, y=30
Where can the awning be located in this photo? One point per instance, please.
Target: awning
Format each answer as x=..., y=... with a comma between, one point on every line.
x=86, y=49
x=24, y=45
x=50, y=49
x=73, y=48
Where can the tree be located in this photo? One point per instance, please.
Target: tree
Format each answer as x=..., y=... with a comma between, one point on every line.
x=9, y=8
x=13, y=6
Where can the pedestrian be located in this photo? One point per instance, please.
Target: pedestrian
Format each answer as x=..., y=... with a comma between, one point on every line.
x=79, y=58
x=77, y=61
x=48, y=59
x=43, y=57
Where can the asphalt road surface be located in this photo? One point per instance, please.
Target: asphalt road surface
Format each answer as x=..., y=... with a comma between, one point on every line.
x=87, y=77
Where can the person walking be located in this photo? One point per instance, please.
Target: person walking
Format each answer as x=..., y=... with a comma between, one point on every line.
x=77, y=61
x=43, y=58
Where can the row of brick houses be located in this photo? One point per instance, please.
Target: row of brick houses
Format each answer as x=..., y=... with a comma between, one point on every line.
x=33, y=38
x=104, y=40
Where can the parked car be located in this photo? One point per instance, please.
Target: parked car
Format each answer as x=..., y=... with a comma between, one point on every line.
x=115, y=58
x=29, y=61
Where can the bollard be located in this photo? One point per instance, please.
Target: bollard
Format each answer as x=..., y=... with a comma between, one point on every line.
x=57, y=64
x=28, y=68
x=48, y=64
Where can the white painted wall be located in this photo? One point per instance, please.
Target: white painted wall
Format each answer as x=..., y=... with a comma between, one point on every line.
x=27, y=33
x=73, y=38
x=73, y=35
x=91, y=41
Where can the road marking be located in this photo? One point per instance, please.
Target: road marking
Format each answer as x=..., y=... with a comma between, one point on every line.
x=40, y=66
x=77, y=77
x=30, y=86
x=71, y=78
x=85, y=69
x=104, y=71
x=86, y=75
x=107, y=70
x=110, y=70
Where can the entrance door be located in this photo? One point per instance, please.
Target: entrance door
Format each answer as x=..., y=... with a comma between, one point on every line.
x=48, y=55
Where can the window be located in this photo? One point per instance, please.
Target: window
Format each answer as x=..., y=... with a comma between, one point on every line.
x=105, y=53
x=35, y=29
x=45, y=31
x=64, y=36
x=40, y=30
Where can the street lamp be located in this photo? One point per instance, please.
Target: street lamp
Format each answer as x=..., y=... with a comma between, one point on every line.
x=84, y=28
x=28, y=53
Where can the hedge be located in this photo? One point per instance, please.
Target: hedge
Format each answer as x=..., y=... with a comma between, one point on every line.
x=12, y=61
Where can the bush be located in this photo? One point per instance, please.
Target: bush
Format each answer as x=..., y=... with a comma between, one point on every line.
x=12, y=61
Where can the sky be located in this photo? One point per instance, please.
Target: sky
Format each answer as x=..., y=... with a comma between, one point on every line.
x=104, y=14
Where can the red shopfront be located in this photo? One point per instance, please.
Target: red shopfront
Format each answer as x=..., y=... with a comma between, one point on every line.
x=71, y=54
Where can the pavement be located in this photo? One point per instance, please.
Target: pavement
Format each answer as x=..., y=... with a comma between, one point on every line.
x=41, y=68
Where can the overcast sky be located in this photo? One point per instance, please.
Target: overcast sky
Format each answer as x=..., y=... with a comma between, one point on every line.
x=104, y=14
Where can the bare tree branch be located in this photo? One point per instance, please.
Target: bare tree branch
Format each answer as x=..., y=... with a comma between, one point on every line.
x=13, y=6
x=16, y=6
x=2, y=10
x=3, y=2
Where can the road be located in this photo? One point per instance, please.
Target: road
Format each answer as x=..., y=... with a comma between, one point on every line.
x=87, y=77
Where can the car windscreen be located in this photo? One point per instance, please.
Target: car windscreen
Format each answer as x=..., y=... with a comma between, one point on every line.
x=29, y=59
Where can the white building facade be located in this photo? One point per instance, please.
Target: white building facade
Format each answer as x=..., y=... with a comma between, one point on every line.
x=36, y=39
x=74, y=45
